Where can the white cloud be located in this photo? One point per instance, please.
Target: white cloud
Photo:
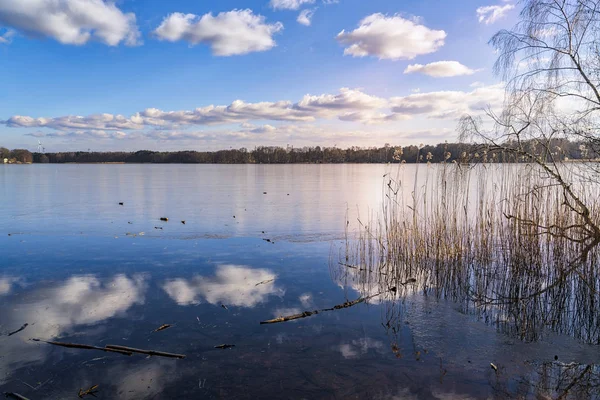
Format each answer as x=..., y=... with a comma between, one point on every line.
x=490, y=14
x=232, y=285
x=310, y=121
x=238, y=111
x=369, y=117
x=96, y=121
x=449, y=104
x=391, y=37
x=305, y=17
x=6, y=37
x=440, y=69
x=81, y=134
x=289, y=4
x=229, y=33
x=71, y=21
x=306, y=110
x=348, y=99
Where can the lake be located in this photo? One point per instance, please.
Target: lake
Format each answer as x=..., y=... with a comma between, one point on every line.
x=258, y=242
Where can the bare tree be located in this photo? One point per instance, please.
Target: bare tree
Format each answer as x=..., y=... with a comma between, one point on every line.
x=550, y=62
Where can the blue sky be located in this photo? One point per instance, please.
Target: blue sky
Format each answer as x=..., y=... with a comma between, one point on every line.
x=192, y=74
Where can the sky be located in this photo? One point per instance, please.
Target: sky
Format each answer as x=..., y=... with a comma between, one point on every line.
x=206, y=75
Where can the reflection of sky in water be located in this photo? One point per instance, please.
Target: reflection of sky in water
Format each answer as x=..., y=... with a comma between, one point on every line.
x=51, y=312
x=301, y=199
x=6, y=285
x=131, y=287
x=102, y=287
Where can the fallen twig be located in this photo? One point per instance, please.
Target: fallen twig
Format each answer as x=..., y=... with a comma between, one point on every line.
x=15, y=396
x=18, y=330
x=162, y=327
x=85, y=346
x=224, y=346
x=290, y=317
x=141, y=351
x=337, y=307
x=264, y=282
x=91, y=391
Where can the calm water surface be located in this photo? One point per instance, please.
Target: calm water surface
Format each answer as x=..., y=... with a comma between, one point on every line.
x=78, y=267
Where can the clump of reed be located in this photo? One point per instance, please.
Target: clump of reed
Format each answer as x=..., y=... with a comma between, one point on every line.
x=498, y=239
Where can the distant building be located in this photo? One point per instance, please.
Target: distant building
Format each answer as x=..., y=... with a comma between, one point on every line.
x=6, y=161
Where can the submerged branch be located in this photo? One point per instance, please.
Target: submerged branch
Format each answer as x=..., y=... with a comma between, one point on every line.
x=346, y=304
x=141, y=351
x=83, y=346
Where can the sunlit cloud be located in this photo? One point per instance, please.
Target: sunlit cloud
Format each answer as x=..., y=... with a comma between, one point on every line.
x=449, y=104
x=232, y=285
x=490, y=14
x=440, y=69
x=289, y=4
x=6, y=37
x=228, y=33
x=391, y=37
x=308, y=109
x=73, y=22
x=305, y=17
x=348, y=117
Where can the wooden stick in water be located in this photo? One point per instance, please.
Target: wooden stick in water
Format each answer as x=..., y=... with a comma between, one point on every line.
x=84, y=346
x=141, y=351
x=15, y=396
x=19, y=330
x=290, y=317
x=337, y=307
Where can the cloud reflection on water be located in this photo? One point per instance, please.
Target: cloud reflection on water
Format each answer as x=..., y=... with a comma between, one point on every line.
x=233, y=285
x=360, y=347
x=53, y=311
x=6, y=285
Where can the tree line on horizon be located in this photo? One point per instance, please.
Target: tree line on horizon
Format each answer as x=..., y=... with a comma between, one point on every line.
x=558, y=149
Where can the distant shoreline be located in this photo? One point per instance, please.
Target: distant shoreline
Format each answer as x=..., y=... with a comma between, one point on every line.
x=461, y=153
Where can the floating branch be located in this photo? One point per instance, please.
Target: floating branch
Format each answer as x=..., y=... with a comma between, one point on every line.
x=84, y=346
x=225, y=346
x=141, y=351
x=347, y=304
x=264, y=282
x=15, y=396
x=290, y=317
x=91, y=391
x=18, y=330
x=162, y=327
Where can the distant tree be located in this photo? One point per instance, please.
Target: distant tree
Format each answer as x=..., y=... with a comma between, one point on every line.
x=22, y=155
